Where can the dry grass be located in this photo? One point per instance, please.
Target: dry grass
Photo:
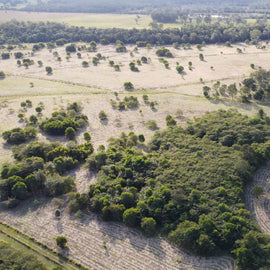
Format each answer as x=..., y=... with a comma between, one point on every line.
x=92, y=242
x=227, y=67
x=100, y=245
x=126, y=21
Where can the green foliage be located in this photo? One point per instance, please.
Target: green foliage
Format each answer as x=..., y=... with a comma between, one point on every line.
x=61, y=241
x=129, y=102
x=2, y=75
x=5, y=56
x=102, y=116
x=49, y=70
x=60, y=121
x=14, y=259
x=128, y=86
x=164, y=52
x=19, y=135
x=190, y=184
x=70, y=133
x=71, y=48
x=179, y=69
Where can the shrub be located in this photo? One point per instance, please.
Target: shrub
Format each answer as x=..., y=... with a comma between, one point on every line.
x=86, y=136
x=48, y=70
x=5, y=56
x=61, y=241
x=151, y=124
x=18, y=55
x=2, y=75
x=70, y=133
x=19, y=135
x=148, y=226
x=141, y=138
x=128, y=86
x=179, y=69
x=164, y=52
x=102, y=115
x=71, y=48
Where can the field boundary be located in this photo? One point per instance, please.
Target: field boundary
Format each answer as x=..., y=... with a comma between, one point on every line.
x=39, y=248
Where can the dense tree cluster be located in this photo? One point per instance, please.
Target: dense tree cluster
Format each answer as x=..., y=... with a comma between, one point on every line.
x=62, y=120
x=190, y=184
x=31, y=32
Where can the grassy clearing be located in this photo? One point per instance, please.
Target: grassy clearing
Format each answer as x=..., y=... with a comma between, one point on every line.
x=126, y=21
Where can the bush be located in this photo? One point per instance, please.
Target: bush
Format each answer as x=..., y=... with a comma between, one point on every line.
x=87, y=136
x=164, y=52
x=61, y=241
x=128, y=86
x=102, y=116
x=180, y=69
x=152, y=124
x=85, y=64
x=18, y=55
x=2, y=75
x=19, y=135
x=71, y=48
x=5, y=56
x=148, y=226
x=49, y=70
x=70, y=133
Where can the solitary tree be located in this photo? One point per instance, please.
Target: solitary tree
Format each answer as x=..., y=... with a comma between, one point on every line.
x=61, y=241
x=86, y=136
x=48, y=70
x=128, y=86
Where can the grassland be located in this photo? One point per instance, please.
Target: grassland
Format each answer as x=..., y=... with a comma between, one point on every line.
x=109, y=245
x=127, y=21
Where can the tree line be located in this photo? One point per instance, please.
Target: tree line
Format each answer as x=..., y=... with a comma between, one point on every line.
x=15, y=32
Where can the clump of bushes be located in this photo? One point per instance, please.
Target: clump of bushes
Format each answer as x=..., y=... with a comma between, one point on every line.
x=19, y=135
x=61, y=120
x=164, y=52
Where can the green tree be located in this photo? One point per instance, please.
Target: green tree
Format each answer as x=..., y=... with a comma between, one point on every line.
x=87, y=136
x=61, y=241
x=49, y=70
x=19, y=191
x=131, y=217
x=148, y=226
x=70, y=133
x=102, y=115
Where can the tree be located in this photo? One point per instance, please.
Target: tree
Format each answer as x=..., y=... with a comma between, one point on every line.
x=19, y=191
x=85, y=64
x=131, y=217
x=61, y=241
x=102, y=115
x=141, y=138
x=33, y=119
x=48, y=70
x=232, y=90
x=38, y=109
x=86, y=136
x=40, y=63
x=71, y=48
x=206, y=91
x=70, y=133
x=201, y=57
x=179, y=69
x=128, y=86
x=148, y=226
x=2, y=75
x=127, y=199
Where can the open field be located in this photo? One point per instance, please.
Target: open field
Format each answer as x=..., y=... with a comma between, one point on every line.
x=221, y=63
x=92, y=242
x=126, y=21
